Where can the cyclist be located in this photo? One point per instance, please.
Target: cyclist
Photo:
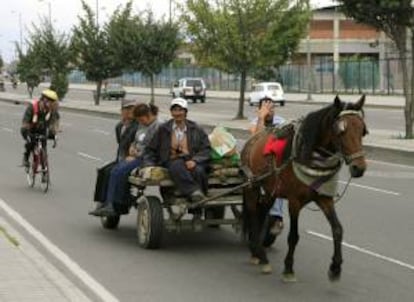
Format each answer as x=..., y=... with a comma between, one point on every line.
x=40, y=117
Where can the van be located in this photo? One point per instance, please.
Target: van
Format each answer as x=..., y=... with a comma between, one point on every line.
x=190, y=88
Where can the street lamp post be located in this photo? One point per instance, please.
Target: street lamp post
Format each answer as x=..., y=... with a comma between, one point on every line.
x=97, y=13
x=49, y=6
x=20, y=28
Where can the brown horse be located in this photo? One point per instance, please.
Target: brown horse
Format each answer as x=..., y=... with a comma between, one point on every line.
x=317, y=146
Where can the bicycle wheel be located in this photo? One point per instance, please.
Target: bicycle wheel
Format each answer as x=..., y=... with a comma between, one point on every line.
x=45, y=179
x=31, y=170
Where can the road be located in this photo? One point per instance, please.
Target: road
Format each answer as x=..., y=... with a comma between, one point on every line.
x=213, y=265
x=380, y=119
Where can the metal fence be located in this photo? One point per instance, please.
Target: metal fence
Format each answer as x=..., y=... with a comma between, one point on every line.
x=365, y=75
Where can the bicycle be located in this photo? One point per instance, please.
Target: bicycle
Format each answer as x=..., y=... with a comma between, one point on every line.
x=38, y=163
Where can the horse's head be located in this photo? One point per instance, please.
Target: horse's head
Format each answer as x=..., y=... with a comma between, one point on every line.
x=348, y=129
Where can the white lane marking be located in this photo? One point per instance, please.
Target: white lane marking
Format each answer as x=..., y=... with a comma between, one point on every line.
x=370, y=188
x=7, y=129
x=89, y=156
x=365, y=251
x=101, y=131
x=87, y=280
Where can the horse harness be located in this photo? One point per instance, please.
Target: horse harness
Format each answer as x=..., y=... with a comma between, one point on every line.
x=325, y=167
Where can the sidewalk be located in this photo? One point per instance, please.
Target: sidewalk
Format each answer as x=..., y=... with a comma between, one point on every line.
x=26, y=275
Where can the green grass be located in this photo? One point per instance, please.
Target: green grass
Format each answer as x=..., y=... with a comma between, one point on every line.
x=9, y=237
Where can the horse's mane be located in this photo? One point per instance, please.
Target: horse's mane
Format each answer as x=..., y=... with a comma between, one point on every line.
x=313, y=127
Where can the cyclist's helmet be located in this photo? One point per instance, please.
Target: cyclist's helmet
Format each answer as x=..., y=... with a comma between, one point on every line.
x=50, y=95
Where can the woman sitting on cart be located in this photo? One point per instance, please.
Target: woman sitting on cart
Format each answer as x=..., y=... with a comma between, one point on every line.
x=117, y=194
x=183, y=147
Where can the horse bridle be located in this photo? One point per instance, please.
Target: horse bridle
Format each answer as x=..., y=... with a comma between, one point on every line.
x=341, y=127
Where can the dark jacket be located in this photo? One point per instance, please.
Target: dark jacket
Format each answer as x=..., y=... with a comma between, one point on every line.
x=157, y=152
x=125, y=139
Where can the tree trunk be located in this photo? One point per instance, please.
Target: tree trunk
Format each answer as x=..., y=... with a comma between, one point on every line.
x=240, y=114
x=152, y=101
x=98, y=92
x=409, y=102
x=30, y=91
x=401, y=44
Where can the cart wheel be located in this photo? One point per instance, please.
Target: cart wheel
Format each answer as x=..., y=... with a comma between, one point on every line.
x=110, y=222
x=150, y=222
x=215, y=213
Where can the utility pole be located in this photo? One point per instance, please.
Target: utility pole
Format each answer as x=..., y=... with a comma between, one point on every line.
x=97, y=13
x=170, y=10
x=309, y=61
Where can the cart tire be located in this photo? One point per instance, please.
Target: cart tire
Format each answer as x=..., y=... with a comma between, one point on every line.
x=110, y=222
x=150, y=222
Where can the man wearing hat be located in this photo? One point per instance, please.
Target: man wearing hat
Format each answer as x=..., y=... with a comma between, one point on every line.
x=125, y=134
x=183, y=147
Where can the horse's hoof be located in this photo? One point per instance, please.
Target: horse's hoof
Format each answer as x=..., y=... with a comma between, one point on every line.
x=289, y=278
x=334, y=276
x=267, y=269
x=254, y=261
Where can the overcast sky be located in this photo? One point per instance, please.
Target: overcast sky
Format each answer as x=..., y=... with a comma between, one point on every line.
x=64, y=15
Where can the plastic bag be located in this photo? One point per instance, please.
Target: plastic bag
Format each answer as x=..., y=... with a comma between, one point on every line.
x=222, y=142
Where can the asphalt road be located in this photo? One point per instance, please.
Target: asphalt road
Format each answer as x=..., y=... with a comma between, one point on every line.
x=376, y=213
x=380, y=119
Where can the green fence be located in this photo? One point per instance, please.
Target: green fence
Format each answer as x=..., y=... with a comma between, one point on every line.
x=362, y=75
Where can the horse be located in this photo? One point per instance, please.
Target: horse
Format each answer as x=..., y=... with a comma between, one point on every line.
x=317, y=146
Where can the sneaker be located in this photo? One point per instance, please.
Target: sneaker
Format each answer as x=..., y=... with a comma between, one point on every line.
x=197, y=196
x=276, y=225
x=95, y=211
x=107, y=210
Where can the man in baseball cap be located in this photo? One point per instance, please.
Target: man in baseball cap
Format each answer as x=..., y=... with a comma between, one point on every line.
x=181, y=146
x=180, y=102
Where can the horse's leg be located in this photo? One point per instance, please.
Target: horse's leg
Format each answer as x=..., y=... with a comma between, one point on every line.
x=327, y=206
x=293, y=238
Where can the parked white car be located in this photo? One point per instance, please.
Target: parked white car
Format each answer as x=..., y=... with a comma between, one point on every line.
x=190, y=88
x=272, y=90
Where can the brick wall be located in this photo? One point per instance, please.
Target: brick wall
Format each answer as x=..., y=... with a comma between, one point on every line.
x=348, y=29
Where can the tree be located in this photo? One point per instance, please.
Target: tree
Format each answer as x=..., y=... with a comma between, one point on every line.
x=93, y=48
x=144, y=44
x=395, y=19
x=242, y=36
x=28, y=68
x=1, y=63
x=160, y=41
x=54, y=54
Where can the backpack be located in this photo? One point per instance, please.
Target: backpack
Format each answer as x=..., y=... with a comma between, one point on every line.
x=35, y=118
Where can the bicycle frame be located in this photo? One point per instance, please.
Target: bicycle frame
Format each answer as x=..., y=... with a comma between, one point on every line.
x=39, y=163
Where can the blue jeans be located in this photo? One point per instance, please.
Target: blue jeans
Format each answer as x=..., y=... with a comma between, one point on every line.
x=118, y=181
x=188, y=181
x=277, y=208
